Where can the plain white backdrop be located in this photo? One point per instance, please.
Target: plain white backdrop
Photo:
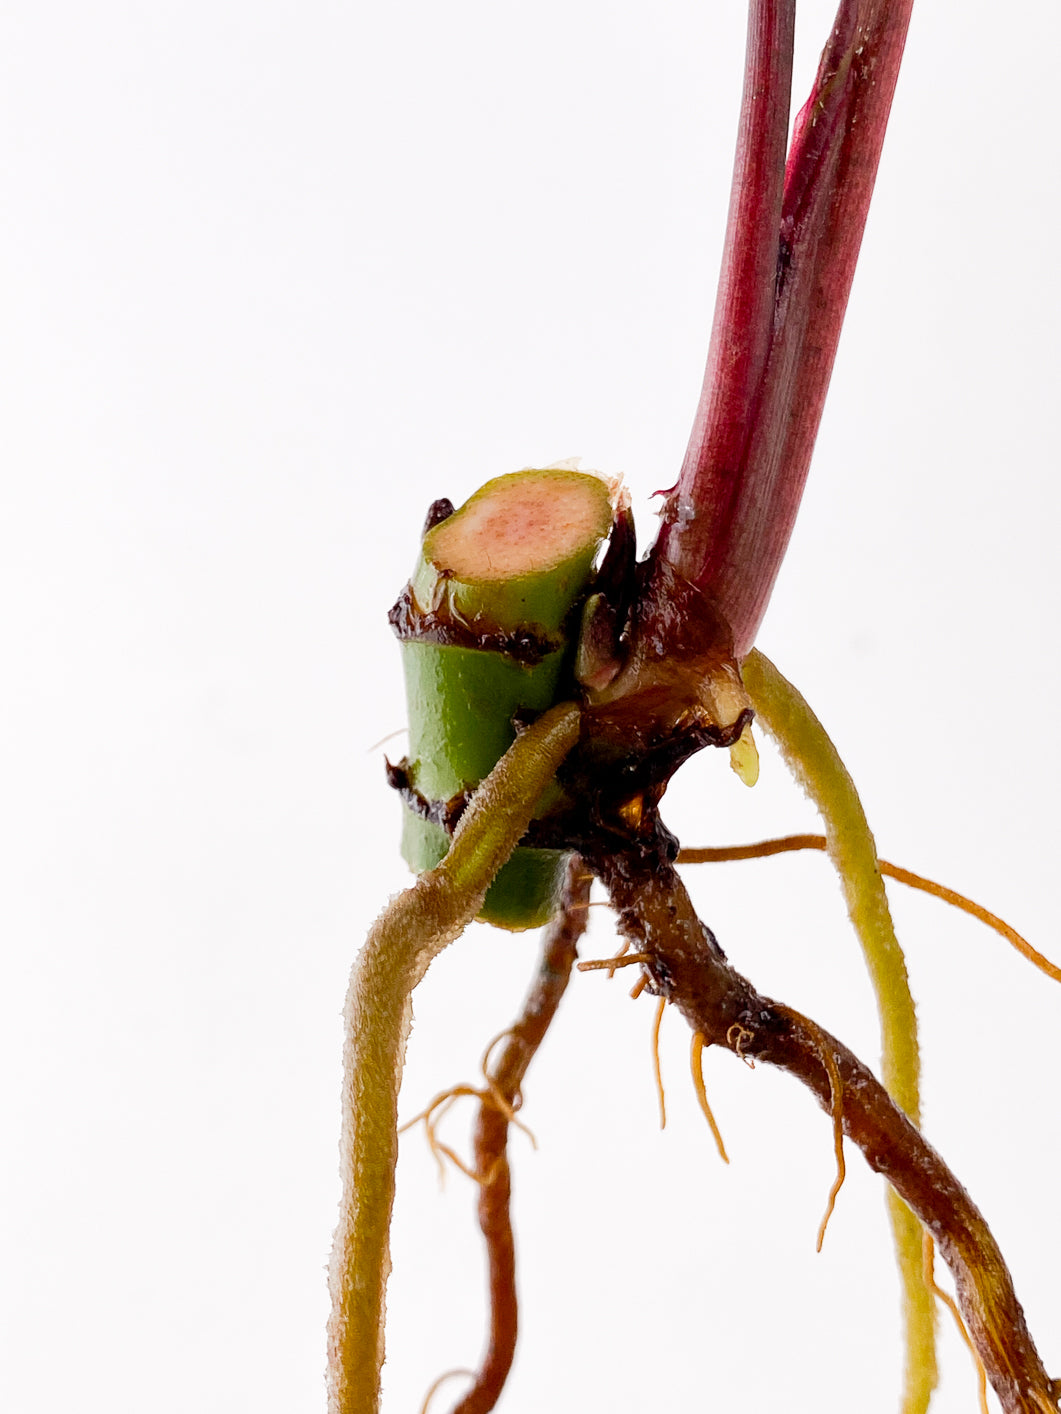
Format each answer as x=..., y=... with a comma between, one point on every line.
x=276, y=276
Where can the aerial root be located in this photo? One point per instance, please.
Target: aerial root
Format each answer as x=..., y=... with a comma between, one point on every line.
x=655, y=1057
x=928, y=1252
x=437, y=1385
x=786, y=844
x=696, y=1061
x=639, y=986
x=836, y=1107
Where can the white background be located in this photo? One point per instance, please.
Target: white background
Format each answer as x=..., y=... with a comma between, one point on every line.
x=276, y=276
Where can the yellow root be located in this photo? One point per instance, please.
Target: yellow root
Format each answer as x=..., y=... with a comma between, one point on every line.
x=837, y=1102
x=736, y=1037
x=624, y=948
x=484, y=1064
x=787, y=844
x=433, y=1114
x=629, y=959
x=956, y=900
x=836, y=1108
x=441, y=1101
x=507, y=1108
x=430, y=1118
x=449, y=1375
x=655, y=1056
x=816, y=766
x=928, y=1250
x=622, y=958
x=696, y=1061
x=438, y=1148
x=442, y=1151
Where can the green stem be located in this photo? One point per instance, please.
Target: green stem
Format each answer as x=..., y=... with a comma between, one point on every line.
x=410, y=933
x=486, y=627
x=814, y=762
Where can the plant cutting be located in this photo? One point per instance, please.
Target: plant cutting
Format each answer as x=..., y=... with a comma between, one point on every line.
x=655, y=661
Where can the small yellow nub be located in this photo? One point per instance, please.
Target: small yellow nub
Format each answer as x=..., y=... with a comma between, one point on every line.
x=744, y=757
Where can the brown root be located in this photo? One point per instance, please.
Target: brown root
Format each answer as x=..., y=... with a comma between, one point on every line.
x=690, y=970
x=497, y=1105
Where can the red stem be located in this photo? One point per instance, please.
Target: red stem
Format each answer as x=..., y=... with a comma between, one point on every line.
x=744, y=307
x=728, y=525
